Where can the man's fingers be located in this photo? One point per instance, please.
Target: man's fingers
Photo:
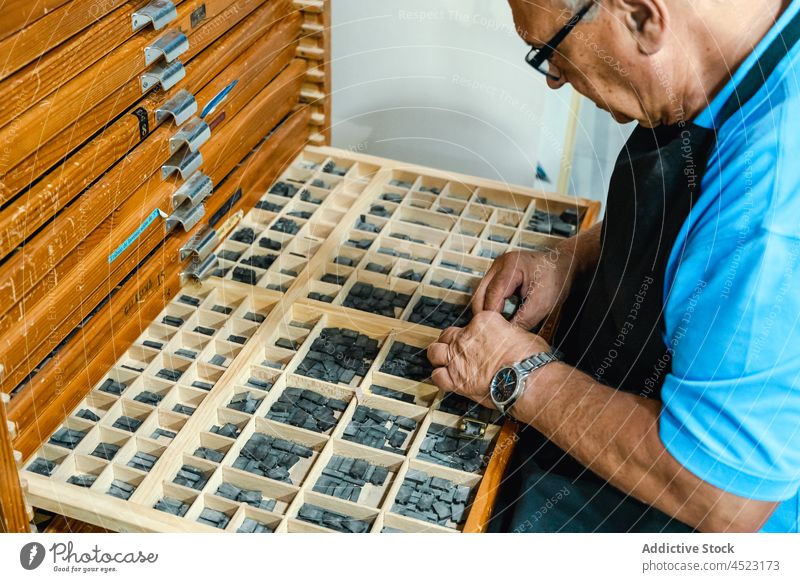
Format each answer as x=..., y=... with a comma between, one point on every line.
x=501, y=288
x=480, y=292
x=449, y=335
x=439, y=354
x=527, y=315
x=441, y=377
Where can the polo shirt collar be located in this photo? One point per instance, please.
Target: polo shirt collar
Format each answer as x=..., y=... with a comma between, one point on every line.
x=709, y=117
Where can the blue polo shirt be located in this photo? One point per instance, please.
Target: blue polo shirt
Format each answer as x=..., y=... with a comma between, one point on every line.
x=731, y=410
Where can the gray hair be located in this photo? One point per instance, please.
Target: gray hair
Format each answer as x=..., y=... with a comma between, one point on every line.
x=575, y=5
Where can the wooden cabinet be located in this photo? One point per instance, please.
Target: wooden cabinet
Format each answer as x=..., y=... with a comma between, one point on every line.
x=176, y=237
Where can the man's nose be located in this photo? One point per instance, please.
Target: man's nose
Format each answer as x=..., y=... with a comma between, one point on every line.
x=556, y=72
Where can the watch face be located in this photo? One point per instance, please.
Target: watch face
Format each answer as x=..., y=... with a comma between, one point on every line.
x=503, y=384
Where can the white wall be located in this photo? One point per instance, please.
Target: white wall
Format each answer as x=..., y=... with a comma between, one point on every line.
x=444, y=83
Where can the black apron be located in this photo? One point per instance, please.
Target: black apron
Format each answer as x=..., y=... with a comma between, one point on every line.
x=611, y=326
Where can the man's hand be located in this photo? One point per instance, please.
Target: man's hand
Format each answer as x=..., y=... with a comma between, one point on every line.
x=467, y=358
x=543, y=278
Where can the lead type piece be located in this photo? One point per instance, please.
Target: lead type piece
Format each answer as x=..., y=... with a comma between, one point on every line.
x=339, y=355
x=306, y=409
x=346, y=477
x=379, y=429
x=432, y=499
x=271, y=457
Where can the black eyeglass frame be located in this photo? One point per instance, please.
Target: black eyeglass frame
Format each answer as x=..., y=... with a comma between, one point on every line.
x=536, y=57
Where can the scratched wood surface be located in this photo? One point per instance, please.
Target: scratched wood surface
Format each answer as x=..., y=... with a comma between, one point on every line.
x=69, y=177
x=14, y=516
x=18, y=14
x=58, y=26
x=88, y=273
x=117, y=73
x=36, y=284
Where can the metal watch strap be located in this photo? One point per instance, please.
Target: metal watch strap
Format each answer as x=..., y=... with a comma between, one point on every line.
x=537, y=361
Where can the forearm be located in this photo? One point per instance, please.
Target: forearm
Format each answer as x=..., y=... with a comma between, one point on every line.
x=615, y=434
x=584, y=249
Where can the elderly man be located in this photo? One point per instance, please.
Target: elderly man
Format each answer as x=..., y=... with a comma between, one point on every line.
x=676, y=403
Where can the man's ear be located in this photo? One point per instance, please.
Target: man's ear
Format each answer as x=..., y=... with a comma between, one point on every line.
x=647, y=20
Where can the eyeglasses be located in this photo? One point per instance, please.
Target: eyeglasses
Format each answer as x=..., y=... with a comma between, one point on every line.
x=539, y=58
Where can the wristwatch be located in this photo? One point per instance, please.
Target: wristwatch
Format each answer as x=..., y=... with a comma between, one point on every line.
x=509, y=382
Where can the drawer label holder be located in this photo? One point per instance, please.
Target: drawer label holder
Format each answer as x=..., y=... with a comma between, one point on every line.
x=192, y=135
x=180, y=107
x=200, y=244
x=159, y=12
x=170, y=46
x=185, y=162
x=165, y=74
x=193, y=191
x=187, y=216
